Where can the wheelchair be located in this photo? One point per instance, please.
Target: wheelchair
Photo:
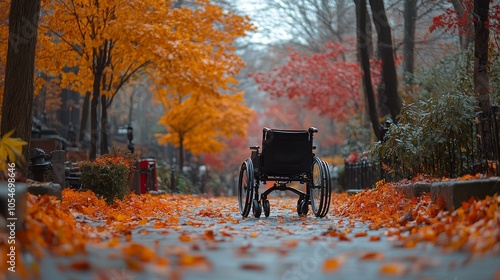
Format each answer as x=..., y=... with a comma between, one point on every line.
x=287, y=156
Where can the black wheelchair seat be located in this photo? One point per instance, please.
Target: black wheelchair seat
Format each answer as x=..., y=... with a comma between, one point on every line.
x=287, y=156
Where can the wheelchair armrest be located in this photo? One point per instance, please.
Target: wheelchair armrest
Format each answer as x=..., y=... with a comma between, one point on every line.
x=313, y=130
x=254, y=148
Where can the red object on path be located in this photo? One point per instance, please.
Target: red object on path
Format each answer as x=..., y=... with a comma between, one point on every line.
x=146, y=169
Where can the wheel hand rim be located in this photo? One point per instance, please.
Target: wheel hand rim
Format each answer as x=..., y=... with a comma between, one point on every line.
x=244, y=188
x=316, y=188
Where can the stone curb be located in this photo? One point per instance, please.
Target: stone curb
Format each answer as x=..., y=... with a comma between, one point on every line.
x=453, y=193
x=159, y=192
x=45, y=188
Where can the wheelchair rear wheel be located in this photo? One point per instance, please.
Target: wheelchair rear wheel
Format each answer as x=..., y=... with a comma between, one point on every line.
x=320, y=190
x=246, y=184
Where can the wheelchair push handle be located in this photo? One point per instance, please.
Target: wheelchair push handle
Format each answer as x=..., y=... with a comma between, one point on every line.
x=312, y=129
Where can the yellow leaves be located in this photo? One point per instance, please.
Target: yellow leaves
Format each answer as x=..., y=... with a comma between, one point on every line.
x=187, y=49
x=199, y=121
x=11, y=150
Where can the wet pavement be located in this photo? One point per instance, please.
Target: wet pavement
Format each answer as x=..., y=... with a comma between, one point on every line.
x=207, y=245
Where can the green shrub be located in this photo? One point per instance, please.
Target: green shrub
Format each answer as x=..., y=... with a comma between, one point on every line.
x=108, y=176
x=126, y=157
x=434, y=137
x=455, y=73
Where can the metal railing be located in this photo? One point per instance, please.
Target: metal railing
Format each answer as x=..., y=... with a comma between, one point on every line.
x=481, y=154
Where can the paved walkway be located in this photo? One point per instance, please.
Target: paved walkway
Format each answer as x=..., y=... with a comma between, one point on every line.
x=282, y=246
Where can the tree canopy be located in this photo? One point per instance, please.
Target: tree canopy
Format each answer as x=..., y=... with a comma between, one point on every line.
x=99, y=46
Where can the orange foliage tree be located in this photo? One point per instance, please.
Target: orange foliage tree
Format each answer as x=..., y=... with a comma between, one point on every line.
x=198, y=122
x=106, y=42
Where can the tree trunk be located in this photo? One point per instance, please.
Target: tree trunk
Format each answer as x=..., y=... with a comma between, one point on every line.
x=181, y=152
x=383, y=109
x=104, y=125
x=410, y=15
x=93, y=115
x=17, y=107
x=481, y=79
x=364, y=59
x=389, y=76
x=369, y=33
x=465, y=33
x=85, y=117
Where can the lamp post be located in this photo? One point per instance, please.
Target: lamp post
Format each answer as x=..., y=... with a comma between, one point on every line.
x=130, y=137
x=71, y=134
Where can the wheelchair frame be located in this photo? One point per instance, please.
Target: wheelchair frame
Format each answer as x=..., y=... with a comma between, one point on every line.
x=279, y=164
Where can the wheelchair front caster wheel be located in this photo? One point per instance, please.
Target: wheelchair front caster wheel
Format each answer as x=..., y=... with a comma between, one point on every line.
x=256, y=208
x=267, y=207
x=302, y=207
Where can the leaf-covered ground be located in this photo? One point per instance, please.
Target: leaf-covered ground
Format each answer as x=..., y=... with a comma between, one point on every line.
x=82, y=221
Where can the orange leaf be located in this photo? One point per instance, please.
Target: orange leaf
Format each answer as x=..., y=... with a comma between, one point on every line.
x=373, y=256
x=113, y=242
x=198, y=261
x=332, y=264
x=393, y=269
x=134, y=265
x=209, y=234
x=162, y=261
x=291, y=243
x=343, y=237
x=140, y=251
x=253, y=266
x=80, y=265
x=374, y=238
x=185, y=238
x=361, y=234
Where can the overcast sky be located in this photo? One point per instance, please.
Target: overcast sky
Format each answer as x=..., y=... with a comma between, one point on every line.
x=269, y=22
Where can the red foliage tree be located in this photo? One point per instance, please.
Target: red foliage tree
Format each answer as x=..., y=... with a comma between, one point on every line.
x=323, y=82
x=230, y=158
x=453, y=21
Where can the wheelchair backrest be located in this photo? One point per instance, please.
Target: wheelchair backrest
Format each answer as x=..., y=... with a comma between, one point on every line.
x=286, y=152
